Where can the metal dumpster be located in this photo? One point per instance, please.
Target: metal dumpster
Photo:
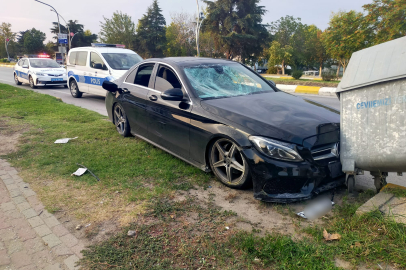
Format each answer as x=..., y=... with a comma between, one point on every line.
x=373, y=112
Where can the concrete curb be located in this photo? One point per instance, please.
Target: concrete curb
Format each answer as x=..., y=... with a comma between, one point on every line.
x=312, y=90
x=4, y=65
x=61, y=244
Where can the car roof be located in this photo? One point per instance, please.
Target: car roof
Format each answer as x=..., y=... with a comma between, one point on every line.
x=103, y=49
x=181, y=61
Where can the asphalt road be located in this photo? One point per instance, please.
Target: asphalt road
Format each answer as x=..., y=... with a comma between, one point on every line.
x=96, y=104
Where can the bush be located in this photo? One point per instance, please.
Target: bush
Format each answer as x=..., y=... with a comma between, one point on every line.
x=4, y=61
x=272, y=70
x=288, y=71
x=297, y=74
x=329, y=76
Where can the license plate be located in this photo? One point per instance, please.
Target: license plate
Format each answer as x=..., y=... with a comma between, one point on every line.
x=56, y=80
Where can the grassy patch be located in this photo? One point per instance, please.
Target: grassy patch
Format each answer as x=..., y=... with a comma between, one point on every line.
x=133, y=168
x=304, y=82
x=398, y=192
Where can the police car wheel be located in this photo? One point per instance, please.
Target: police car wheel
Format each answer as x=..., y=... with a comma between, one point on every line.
x=121, y=121
x=74, y=90
x=32, y=85
x=16, y=79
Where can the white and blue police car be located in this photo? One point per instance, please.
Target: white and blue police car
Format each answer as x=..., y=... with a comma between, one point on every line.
x=89, y=67
x=39, y=70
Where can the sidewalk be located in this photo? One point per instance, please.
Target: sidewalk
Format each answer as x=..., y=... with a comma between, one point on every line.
x=30, y=237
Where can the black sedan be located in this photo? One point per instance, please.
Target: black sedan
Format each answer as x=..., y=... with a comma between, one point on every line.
x=223, y=117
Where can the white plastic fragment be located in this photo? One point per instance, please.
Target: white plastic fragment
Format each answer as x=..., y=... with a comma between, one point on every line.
x=79, y=172
x=227, y=228
x=65, y=140
x=316, y=209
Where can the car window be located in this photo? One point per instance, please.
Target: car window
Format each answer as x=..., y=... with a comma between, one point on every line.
x=96, y=62
x=143, y=75
x=131, y=76
x=122, y=61
x=44, y=63
x=81, y=58
x=72, y=58
x=25, y=62
x=166, y=79
x=20, y=63
x=225, y=80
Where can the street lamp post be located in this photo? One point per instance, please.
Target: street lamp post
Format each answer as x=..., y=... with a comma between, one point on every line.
x=200, y=19
x=67, y=25
x=7, y=41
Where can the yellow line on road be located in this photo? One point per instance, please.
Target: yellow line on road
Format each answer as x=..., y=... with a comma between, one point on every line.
x=307, y=90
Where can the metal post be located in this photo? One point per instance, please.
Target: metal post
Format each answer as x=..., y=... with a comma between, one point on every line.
x=7, y=41
x=67, y=25
x=197, y=29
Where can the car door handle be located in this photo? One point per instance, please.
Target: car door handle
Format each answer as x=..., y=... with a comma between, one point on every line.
x=153, y=98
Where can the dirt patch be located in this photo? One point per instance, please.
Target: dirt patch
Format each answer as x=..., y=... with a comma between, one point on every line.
x=9, y=137
x=253, y=214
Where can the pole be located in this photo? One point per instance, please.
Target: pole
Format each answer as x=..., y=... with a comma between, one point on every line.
x=197, y=29
x=67, y=25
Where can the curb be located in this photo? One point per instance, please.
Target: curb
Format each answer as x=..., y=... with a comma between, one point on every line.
x=312, y=90
x=3, y=65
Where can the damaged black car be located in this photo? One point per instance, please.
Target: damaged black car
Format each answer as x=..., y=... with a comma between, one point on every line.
x=223, y=117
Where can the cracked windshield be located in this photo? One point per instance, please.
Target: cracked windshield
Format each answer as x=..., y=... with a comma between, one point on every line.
x=221, y=81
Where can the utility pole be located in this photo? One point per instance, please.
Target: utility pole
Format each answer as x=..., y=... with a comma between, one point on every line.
x=67, y=25
x=200, y=19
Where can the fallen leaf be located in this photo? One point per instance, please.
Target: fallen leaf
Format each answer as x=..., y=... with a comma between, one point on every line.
x=330, y=237
x=357, y=244
x=172, y=216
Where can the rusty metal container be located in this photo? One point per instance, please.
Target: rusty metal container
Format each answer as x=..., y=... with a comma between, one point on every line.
x=373, y=112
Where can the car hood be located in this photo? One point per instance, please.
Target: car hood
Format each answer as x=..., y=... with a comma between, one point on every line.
x=276, y=115
x=51, y=70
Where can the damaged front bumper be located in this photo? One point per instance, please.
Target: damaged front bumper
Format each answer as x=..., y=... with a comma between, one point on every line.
x=285, y=182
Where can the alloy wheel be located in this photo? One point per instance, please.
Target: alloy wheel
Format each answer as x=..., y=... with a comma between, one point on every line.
x=73, y=89
x=32, y=83
x=119, y=119
x=228, y=162
x=16, y=79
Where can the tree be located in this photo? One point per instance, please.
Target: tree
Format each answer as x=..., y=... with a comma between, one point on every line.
x=180, y=36
x=236, y=27
x=6, y=33
x=120, y=29
x=280, y=55
x=387, y=19
x=34, y=41
x=151, y=33
x=315, y=50
x=346, y=34
x=290, y=31
x=83, y=39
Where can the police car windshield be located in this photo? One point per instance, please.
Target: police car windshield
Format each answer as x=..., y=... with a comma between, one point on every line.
x=44, y=63
x=121, y=61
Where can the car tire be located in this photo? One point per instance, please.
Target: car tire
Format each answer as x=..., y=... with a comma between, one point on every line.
x=229, y=165
x=74, y=90
x=16, y=79
x=121, y=121
x=32, y=84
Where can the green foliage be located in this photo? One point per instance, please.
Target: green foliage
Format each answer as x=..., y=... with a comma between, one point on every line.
x=279, y=55
x=120, y=29
x=387, y=18
x=34, y=41
x=346, y=34
x=4, y=60
x=330, y=75
x=297, y=74
x=236, y=27
x=272, y=70
x=180, y=36
x=151, y=33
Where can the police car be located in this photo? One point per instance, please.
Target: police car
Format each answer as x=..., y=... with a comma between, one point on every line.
x=39, y=70
x=89, y=67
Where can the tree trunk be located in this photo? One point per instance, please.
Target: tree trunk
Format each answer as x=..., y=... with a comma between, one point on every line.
x=338, y=69
x=321, y=69
x=283, y=67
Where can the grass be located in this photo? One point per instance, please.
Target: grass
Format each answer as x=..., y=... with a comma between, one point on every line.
x=132, y=167
x=304, y=82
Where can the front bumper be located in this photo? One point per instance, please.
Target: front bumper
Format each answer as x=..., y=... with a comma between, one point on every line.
x=285, y=182
x=44, y=81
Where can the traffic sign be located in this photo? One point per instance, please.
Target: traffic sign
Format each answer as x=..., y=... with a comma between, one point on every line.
x=62, y=38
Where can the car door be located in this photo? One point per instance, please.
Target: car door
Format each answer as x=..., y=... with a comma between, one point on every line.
x=136, y=87
x=24, y=71
x=168, y=121
x=98, y=72
x=80, y=71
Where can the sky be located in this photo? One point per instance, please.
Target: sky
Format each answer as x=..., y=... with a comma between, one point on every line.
x=26, y=14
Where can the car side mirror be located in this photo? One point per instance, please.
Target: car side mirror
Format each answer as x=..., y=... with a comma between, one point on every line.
x=174, y=94
x=25, y=66
x=110, y=86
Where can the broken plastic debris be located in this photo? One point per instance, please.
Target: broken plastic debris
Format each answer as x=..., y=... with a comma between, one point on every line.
x=65, y=140
x=88, y=225
x=131, y=233
x=317, y=209
x=227, y=228
x=330, y=237
x=79, y=172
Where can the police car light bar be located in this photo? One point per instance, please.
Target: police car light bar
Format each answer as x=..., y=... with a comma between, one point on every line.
x=108, y=45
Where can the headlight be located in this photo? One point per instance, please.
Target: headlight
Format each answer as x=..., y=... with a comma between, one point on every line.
x=276, y=149
x=39, y=73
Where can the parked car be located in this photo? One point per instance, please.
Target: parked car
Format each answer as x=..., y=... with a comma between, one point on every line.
x=221, y=116
x=89, y=67
x=39, y=71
